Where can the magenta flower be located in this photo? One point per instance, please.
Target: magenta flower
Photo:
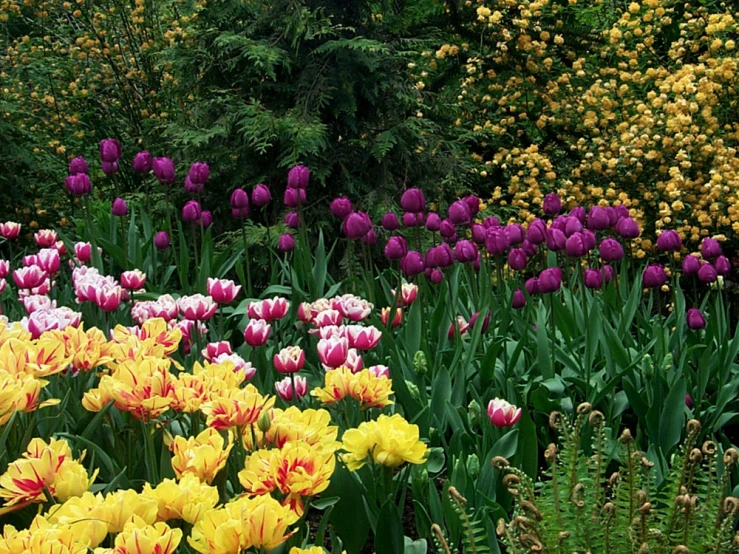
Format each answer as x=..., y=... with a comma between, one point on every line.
x=433, y=222
x=627, y=228
x=292, y=220
x=142, y=162
x=691, y=264
x=519, y=299
x=191, y=211
x=341, y=207
x=261, y=195
x=396, y=248
x=707, y=273
x=654, y=276
x=503, y=413
x=669, y=241
x=298, y=177
x=550, y=280
x=78, y=165
x=356, y=225
x=412, y=263
x=598, y=219
x=695, y=320
x=710, y=248
x=110, y=150
x=199, y=174
x=413, y=201
x=459, y=213
x=465, y=251
x=390, y=221
x=610, y=250
x=120, y=208
x=286, y=243
x=552, y=204
x=161, y=240
x=164, y=170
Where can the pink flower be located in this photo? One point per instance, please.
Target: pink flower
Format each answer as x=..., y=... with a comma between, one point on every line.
x=269, y=310
x=4, y=268
x=330, y=331
x=397, y=318
x=305, y=313
x=133, y=280
x=43, y=288
x=257, y=332
x=502, y=413
x=38, y=302
x=363, y=338
x=462, y=324
x=83, y=252
x=333, y=351
x=31, y=259
x=60, y=247
x=352, y=307
x=3, y=284
x=240, y=364
x=29, y=277
x=197, y=307
x=327, y=317
x=188, y=327
x=223, y=291
x=379, y=371
x=49, y=260
x=47, y=320
x=45, y=237
x=10, y=230
x=165, y=307
x=289, y=360
x=354, y=361
x=408, y=293
x=284, y=388
x=214, y=349
x=108, y=297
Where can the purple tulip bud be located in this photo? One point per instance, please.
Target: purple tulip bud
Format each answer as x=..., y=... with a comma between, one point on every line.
x=537, y=232
x=654, y=276
x=532, y=286
x=485, y=322
x=473, y=203
x=588, y=238
x=294, y=197
x=396, y=248
x=627, y=228
x=622, y=211
x=710, y=248
x=465, y=251
x=120, y=208
x=110, y=150
x=411, y=219
x=78, y=165
x=413, y=201
x=517, y=259
x=669, y=241
x=286, y=243
x=707, y=273
x=593, y=278
x=370, y=238
x=192, y=188
x=298, y=177
x=142, y=162
x=161, y=240
x=206, y=219
x=79, y=185
x=479, y=233
x=695, y=320
x=436, y=276
x=556, y=239
x=292, y=220
x=575, y=246
x=446, y=229
x=433, y=222
x=722, y=265
x=515, y=233
x=552, y=204
x=691, y=264
x=239, y=199
x=572, y=226
x=459, y=213
x=109, y=168
x=191, y=211
x=496, y=241
x=519, y=299
x=390, y=221
x=688, y=401
x=261, y=195
x=578, y=212
x=560, y=222
x=610, y=250
x=612, y=216
x=412, y=263
x=608, y=273
x=491, y=222
x=341, y=207
x=550, y=280
x=356, y=225
x=444, y=257
x=199, y=174
x=164, y=170
x=598, y=219
x=529, y=248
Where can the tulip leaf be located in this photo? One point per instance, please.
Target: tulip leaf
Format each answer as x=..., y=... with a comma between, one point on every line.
x=543, y=342
x=672, y=420
x=389, y=536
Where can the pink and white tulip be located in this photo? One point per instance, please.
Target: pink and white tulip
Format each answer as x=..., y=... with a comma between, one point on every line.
x=48, y=259
x=333, y=351
x=461, y=323
x=197, y=307
x=379, y=371
x=363, y=338
x=189, y=327
x=133, y=279
x=354, y=361
x=223, y=291
x=284, y=388
x=289, y=360
x=83, y=252
x=10, y=230
x=214, y=349
x=271, y=309
x=108, y=297
x=240, y=364
x=46, y=238
x=257, y=332
x=408, y=293
x=4, y=269
x=48, y=320
x=327, y=317
x=38, y=302
x=352, y=307
x=503, y=413
x=29, y=277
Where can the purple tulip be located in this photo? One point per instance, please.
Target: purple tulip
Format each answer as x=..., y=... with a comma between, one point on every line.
x=552, y=204
x=142, y=162
x=294, y=197
x=560, y=222
x=446, y=229
x=120, y=208
x=396, y=248
x=479, y=233
x=529, y=248
x=537, y=232
x=517, y=259
x=556, y=239
x=473, y=203
x=588, y=238
x=412, y=263
x=292, y=220
x=519, y=299
x=356, y=225
x=496, y=241
x=691, y=264
x=654, y=276
x=550, y=280
x=669, y=241
x=199, y=174
x=261, y=195
x=610, y=250
x=628, y=228
x=433, y=222
x=239, y=199
x=443, y=257
x=608, y=273
x=110, y=150
x=695, y=320
x=161, y=240
x=491, y=222
x=459, y=213
x=515, y=233
x=206, y=219
x=341, y=207
x=240, y=213
x=532, y=286
x=78, y=165
x=109, y=168
x=436, y=276
x=578, y=212
x=598, y=219
x=413, y=201
x=286, y=243
x=688, y=401
x=572, y=226
x=575, y=246
x=192, y=188
x=191, y=211
x=622, y=211
x=79, y=185
x=465, y=251
x=411, y=219
x=163, y=170
x=707, y=273
x=710, y=248
x=370, y=238
x=485, y=322
x=612, y=216
x=593, y=278
x=722, y=265
x=390, y=221
x=298, y=177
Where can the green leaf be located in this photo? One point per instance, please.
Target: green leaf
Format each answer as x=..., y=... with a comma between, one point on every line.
x=389, y=534
x=672, y=420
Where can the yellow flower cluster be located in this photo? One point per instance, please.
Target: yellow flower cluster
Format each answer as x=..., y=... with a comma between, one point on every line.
x=370, y=390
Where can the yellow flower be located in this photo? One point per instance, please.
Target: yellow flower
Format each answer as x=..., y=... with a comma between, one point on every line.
x=84, y=516
x=188, y=500
x=87, y=349
x=264, y=521
x=217, y=532
x=207, y=382
x=124, y=506
x=139, y=538
x=370, y=390
x=390, y=441
x=312, y=427
x=203, y=456
x=47, y=357
x=237, y=408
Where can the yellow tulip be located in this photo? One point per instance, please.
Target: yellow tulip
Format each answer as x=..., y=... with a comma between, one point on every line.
x=217, y=532
x=236, y=408
x=147, y=539
x=124, y=506
x=188, y=500
x=293, y=424
x=203, y=456
x=370, y=390
x=84, y=516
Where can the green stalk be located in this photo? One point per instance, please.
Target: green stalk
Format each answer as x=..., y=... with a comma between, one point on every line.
x=247, y=261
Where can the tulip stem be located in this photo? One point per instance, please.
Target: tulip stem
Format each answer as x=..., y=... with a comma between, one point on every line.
x=247, y=261
x=195, y=244
x=554, y=330
x=585, y=329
